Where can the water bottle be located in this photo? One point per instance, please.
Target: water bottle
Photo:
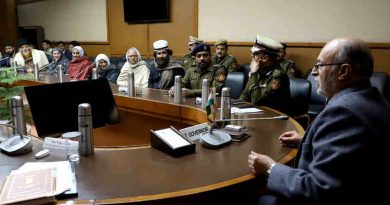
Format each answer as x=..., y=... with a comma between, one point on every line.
x=36, y=72
x=177, y=98
x=205, y=92
x=94, y=74
x=86, y=144
x=60, y=77
x=18, y=115
x=225, y=103
x=130, y=85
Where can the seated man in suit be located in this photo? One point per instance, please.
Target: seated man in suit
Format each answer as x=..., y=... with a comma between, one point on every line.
x=222, y=57
x=268, y=84
x=46, y=46
x=9, y=55
x=338, y=158
x=162, y=70
x=192, y=81
x=65, y=52
x=288, y=65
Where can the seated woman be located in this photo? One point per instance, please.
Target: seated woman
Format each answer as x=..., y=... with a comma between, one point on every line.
x=135, y=65
x=58, y=60
x=80, y=67
x=104, y=70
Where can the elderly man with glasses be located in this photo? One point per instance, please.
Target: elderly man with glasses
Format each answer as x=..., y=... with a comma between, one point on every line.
x=341, y=157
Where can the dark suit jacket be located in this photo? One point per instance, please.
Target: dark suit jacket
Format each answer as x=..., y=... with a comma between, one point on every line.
x=342, y=155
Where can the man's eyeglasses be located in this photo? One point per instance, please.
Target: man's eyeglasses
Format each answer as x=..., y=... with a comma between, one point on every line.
x=318, y=65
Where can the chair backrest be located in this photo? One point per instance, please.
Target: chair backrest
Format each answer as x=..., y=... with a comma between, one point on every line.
x=149, y=62
x=245, y=69
x=235, y=81
x=381, y=81
x=120, y=64
x=300, y=92
x=115, y=60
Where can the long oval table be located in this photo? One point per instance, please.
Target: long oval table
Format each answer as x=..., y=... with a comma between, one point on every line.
x=125, y=169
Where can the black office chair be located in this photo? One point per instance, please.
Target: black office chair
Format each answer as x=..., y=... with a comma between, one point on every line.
x=300, y=92
x=317, y=101
x=246, y=69
x=381, y=81
x=120, y=64
x=235, y=81
x=115, y=61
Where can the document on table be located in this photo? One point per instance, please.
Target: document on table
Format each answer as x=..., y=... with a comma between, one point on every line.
x=236, y=110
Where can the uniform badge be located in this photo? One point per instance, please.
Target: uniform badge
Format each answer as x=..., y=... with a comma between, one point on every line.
x=221, y=77
x=275, y=85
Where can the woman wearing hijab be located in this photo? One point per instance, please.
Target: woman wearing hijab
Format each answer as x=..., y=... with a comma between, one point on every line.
x=104, y=70
x=58, y=60
x=135, y=65
x=80, y=67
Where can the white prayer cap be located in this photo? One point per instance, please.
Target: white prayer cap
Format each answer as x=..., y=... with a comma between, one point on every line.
x=160, y=44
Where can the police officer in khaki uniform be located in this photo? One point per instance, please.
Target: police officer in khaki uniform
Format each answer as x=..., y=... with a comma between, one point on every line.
x=288, y=65
x=189, y=59
x=222, y=57
x=192, y=81
x=268, y=84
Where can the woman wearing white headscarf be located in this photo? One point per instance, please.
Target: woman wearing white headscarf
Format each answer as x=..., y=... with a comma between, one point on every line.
x=104, y=70
x=80, y=67
x=135, y=65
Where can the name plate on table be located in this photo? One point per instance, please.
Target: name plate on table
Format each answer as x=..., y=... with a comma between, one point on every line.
x=60, y=144
x=171, y=141
x=194, y=132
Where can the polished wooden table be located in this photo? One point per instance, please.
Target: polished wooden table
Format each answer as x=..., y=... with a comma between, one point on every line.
x=125, y=169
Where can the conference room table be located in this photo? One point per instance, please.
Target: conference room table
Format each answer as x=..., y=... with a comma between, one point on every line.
x=126, y=169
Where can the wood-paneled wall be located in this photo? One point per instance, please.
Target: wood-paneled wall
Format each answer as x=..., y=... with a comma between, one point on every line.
x=183, y=23
x=305, y=54
x=122, y=36
x=8, y=23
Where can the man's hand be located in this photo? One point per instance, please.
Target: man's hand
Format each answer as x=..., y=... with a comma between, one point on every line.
x=187, y=92
x=259, y=163
x=171, y=91
x=255, y=65
x=290, y=139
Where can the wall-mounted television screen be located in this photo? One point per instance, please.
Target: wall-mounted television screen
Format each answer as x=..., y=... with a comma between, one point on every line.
x=146, y=11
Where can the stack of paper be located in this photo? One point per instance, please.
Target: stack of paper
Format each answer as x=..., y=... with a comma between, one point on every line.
x=38, y=183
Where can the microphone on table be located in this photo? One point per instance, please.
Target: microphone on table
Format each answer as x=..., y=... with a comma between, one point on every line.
x=85, y=69
x=18, y=143
x=45, y=66
x=215, y=125
x=217, y=138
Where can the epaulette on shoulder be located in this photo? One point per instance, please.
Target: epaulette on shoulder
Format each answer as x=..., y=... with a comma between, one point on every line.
x=290, y=61
x=218, y=67
x=278, y=72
